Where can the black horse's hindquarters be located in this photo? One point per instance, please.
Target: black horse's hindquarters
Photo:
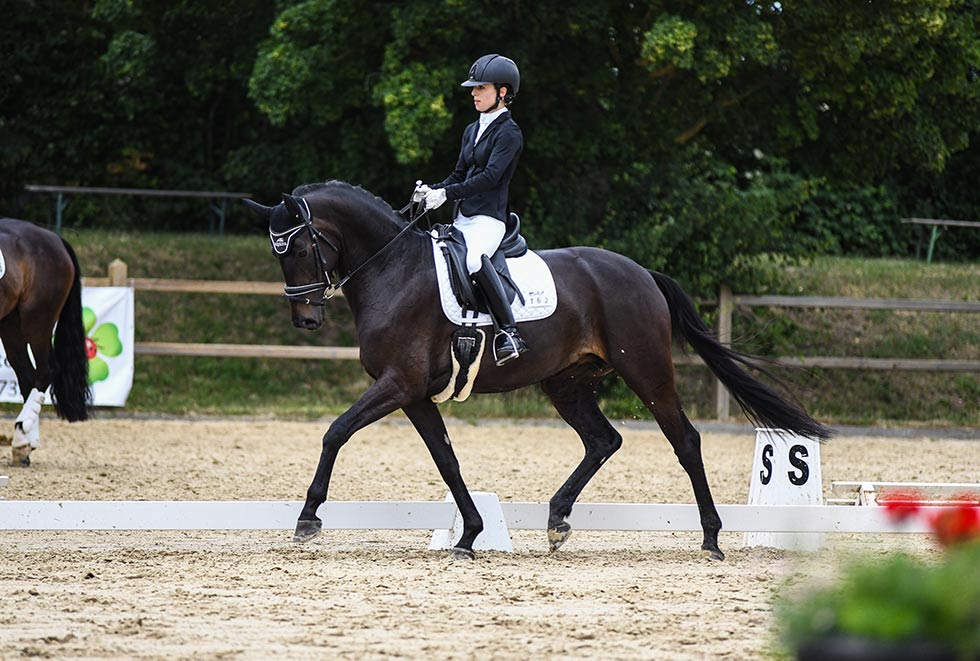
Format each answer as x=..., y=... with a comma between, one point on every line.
x=612, y=315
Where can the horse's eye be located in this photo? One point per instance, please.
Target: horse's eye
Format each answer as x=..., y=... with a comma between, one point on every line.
x=302, y=253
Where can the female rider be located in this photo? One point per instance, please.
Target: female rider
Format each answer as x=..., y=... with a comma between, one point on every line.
x=479, y=187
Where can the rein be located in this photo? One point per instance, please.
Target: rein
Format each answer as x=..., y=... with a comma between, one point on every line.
x=282, y=240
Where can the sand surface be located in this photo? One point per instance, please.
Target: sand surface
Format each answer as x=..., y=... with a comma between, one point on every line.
x=381, y=594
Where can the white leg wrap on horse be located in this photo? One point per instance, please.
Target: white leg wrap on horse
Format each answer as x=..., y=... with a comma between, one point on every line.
x=31, y=411
x=30, y=438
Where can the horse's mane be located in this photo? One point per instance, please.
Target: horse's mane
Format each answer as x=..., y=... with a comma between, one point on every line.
x=344, y=190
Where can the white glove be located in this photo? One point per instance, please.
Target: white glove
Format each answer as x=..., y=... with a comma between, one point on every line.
x=420, y=191
x=434, y=198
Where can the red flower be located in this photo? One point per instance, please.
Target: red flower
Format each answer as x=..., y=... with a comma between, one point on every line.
x=901, y=505
x=957, y=524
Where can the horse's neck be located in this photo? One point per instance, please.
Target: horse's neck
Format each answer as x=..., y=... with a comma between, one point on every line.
x=363, y=237
x=383, y=269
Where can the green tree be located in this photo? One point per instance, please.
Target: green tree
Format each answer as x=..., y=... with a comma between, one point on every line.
x=688, y=135
x=696, y=137
x=120, y=93
x=50, y=105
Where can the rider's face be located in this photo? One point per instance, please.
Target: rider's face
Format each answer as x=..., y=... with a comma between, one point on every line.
x=484, y=97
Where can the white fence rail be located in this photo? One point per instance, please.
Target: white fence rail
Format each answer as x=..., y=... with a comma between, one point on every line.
x=432, y=515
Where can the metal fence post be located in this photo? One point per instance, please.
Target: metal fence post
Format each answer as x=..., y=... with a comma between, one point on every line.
x=59, y=207
x=725, y=308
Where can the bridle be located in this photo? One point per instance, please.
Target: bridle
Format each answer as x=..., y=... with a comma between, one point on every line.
x=282, y=242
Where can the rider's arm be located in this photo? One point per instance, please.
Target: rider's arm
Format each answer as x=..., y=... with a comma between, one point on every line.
x=507, y=147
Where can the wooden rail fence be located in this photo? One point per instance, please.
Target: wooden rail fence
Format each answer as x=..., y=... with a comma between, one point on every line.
x=727, y=302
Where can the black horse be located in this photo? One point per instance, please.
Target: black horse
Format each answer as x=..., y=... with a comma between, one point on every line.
x=40, y=286
x=612, y=315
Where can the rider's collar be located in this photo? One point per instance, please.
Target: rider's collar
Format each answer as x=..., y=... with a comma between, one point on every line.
x=487, y=116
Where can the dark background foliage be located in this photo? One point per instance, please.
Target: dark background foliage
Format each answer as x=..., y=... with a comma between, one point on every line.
x=699, y=138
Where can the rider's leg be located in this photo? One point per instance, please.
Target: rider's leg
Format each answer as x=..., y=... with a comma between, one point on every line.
x=483, y=236
x=507, y=343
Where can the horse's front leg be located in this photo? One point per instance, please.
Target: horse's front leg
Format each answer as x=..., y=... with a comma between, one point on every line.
x=382, y=398
x=428, y=422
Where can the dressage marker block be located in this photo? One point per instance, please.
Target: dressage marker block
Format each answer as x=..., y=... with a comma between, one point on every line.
x=785, y=471
x=495, y=535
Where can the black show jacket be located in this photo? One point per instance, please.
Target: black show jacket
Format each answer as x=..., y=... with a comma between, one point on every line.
x=479, y=185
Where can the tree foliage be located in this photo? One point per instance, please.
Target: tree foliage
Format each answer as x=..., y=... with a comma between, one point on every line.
x=698, y=138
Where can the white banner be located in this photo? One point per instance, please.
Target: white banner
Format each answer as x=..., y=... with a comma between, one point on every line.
x=109, y=335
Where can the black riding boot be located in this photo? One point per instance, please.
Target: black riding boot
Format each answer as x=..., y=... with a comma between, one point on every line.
x=507, y=343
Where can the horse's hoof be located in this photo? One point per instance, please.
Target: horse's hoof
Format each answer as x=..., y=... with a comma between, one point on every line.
x=21, y=455
x=307, y=530
x=559, y=535
x=459, y=553
x=714, y=553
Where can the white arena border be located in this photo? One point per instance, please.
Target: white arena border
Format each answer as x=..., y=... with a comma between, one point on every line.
x=434, y=515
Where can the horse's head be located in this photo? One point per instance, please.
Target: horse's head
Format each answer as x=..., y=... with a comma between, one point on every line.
x=307, y=256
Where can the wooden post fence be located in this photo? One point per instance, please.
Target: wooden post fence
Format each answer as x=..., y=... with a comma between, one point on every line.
x=727, y=302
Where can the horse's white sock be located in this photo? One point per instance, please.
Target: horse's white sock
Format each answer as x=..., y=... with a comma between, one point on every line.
x=32, y=410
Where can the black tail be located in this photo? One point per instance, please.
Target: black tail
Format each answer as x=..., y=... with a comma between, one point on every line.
x=761, y=404
x=70, y=392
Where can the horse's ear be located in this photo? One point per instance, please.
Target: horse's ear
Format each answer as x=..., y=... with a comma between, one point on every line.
x=292, y=204
x=296, y=206
x=260, y=210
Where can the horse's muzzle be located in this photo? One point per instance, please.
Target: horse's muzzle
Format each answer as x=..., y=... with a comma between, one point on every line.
x=306, y=316
x=307, y=322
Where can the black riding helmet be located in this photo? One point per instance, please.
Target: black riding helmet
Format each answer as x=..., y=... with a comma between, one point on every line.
x=496, y=70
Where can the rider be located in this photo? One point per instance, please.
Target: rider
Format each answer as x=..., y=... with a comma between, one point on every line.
x=479, y=186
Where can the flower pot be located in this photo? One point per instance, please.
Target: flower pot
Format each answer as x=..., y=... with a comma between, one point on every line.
x=857, y=648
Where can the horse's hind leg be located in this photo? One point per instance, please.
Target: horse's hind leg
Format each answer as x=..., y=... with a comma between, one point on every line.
x=662, y=400
x=573, y=396
x=26, y=429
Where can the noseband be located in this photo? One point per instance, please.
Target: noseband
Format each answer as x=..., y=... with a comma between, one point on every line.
x=282, y=241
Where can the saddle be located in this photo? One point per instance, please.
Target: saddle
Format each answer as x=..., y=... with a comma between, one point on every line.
x=468, y=342
x=454, y=250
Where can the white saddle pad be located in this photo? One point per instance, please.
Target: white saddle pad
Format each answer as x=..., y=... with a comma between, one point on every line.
x=3, y=265
x=531, y=275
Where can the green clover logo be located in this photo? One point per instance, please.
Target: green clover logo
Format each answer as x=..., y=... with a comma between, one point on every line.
x=104, y=341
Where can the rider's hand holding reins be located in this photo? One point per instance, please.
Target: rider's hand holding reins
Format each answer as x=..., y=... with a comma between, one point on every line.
x=420, y=190
x=434, y=198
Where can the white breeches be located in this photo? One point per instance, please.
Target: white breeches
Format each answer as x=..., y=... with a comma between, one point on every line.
x=483, y=236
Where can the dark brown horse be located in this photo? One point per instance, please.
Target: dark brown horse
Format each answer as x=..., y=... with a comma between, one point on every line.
x=612, y=315
x=41, y=286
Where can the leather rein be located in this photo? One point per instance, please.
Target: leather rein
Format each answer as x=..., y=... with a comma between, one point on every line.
x=281, y=242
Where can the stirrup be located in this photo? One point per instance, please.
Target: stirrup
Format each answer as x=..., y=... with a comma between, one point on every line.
x=508, y=345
